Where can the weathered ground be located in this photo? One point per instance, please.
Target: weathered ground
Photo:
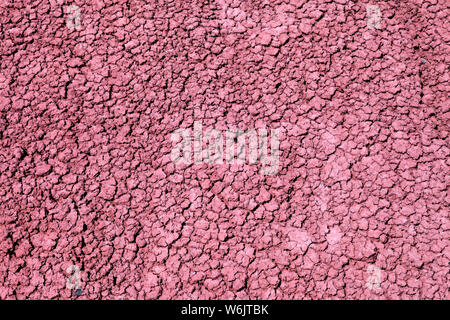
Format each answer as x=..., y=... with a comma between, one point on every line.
x=86, y=177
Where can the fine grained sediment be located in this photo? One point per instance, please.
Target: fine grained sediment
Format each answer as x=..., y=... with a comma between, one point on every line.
x=87, y=109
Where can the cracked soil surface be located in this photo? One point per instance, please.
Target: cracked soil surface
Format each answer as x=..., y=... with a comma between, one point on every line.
x=86, y=178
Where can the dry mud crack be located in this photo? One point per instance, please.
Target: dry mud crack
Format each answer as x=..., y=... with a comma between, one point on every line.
x=91, y=199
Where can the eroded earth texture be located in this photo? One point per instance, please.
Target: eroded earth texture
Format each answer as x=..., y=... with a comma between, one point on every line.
x=90, y=199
